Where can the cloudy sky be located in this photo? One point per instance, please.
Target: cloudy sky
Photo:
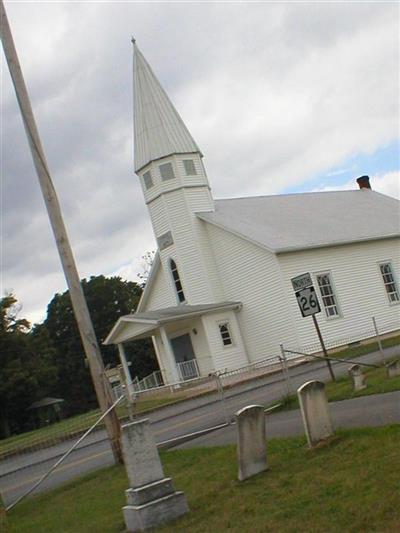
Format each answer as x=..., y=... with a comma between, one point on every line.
x=281, y=97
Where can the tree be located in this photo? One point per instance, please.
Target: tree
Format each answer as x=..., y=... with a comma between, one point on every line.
x=108, y=299
x=145, y=267
x=27, y=373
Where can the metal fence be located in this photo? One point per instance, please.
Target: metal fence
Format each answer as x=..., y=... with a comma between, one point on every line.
x=151, y=381
x=370, y=333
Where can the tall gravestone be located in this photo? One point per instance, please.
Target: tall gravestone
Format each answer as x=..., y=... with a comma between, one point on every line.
x=315, y=412
x=357, y=377
x=251, y=452
x=151, y=498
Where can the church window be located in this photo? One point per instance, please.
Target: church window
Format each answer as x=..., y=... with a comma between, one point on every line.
x=225, y=334
x=167, y=171
x=177, y=281
x=327, y=294
x=190, y=168
x=389, y=281
x=148, y=180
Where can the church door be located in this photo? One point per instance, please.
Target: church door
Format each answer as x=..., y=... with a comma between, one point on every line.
x=184, y=356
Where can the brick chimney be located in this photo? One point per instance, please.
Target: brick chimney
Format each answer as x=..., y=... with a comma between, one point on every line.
x=363, y=182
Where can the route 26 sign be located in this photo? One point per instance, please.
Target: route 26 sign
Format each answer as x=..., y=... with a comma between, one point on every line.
x=306, y=295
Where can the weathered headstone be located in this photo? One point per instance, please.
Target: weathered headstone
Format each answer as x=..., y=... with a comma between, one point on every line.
x=393, y=369
x=151, y=498
x=251, y=452
x=315, y=412
x=357, y=377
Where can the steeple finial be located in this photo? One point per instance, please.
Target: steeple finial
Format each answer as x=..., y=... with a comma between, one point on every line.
x=133, y=40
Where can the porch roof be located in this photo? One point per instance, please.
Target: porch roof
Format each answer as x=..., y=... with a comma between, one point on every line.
x=140, y=325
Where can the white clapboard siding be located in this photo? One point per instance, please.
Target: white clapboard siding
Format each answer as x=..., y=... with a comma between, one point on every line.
x=188, y=255
x=250, y=274
x=161, y=294
x=358, y=287
x=159, y=216
x=199, y=200
x=225, y=357
x=181, y=179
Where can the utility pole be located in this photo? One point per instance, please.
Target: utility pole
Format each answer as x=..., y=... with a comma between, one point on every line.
x=92, y=351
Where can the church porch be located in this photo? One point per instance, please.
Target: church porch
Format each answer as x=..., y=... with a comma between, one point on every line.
x=190, y=340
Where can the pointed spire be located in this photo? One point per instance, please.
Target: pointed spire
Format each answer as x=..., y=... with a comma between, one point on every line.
x=159, y=130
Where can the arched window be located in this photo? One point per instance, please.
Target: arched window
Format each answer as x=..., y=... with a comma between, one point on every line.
x=177, y=281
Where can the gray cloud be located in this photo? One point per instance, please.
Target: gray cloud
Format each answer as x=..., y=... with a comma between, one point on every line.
x=273, y=94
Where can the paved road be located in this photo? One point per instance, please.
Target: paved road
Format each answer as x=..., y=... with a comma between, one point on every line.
x=199, y=414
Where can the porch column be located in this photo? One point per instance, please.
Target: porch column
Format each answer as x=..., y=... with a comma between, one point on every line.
x=170, y=355
x=128, y=378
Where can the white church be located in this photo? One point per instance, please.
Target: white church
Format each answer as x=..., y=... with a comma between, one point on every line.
x=219, y=295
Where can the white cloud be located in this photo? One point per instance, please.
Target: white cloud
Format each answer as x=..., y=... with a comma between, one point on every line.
x=386, y=183
x=273, y=93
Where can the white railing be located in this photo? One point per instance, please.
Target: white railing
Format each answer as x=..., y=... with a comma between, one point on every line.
x=188, y=370
x=151, y=381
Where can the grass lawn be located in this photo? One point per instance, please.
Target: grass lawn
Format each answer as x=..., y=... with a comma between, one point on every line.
x=69, y=426
x=356, y=351
x=351, y=485
x=376, y=380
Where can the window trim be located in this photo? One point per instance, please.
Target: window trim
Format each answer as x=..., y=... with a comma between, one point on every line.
x=170, y=162
x=334, y=294
x=396, y=284
x=171, y=261
x=221, y=323
x=194, y=166
x=151, y=180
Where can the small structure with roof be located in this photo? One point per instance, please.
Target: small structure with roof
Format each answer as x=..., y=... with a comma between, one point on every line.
x=46, y=411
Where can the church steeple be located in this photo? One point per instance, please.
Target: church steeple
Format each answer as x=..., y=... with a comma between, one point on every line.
x=169, y=165
x=159, y=130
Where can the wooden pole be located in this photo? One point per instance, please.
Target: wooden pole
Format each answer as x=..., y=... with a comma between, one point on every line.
x=321, y=340
x=92, y=351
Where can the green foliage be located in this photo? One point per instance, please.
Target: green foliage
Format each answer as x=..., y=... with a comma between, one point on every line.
x=49, y=359
x=352, y=485
x=108, y=299
x=26, y=371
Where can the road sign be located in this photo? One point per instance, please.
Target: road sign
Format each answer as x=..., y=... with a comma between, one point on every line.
x=309, y=306
x=301, y=282
x=308, y=301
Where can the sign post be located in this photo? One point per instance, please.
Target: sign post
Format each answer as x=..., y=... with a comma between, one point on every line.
x=309, y=306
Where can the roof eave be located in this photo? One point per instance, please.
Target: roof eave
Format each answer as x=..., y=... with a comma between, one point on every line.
x=290, y=249
x=234, y=232
x=194, y=314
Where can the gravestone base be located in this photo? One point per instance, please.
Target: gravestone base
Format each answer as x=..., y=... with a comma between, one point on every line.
x=152, y=491
x=393, y=369
x=357, y=377
x=156, y=512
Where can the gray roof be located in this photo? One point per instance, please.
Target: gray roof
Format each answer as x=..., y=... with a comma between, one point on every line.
x=151, y=320
x=44, y=402
x=159, y=130
x=180, y=311
x=309, y=220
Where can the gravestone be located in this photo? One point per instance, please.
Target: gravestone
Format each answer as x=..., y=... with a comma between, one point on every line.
x=251, y=453
x=151, y=498
x=315, y=412
x=393, y=369
x=357, y=377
